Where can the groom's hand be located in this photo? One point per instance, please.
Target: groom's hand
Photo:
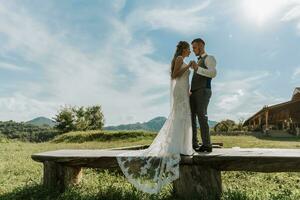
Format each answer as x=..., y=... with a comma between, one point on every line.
x=195, y=66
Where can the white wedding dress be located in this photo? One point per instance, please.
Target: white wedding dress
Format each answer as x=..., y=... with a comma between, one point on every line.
x=151, y=169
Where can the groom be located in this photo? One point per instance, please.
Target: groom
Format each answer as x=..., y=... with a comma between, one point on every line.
x=204, y=71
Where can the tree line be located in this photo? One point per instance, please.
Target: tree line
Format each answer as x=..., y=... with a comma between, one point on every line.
x=26, y=132
x=68, y=118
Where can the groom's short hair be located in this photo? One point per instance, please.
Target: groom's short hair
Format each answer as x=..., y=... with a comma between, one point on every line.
x=198, y=40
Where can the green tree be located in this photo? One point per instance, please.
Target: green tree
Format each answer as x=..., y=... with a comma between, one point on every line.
x=79, y=118
x=65, y=119
x=239, y=125
x=95, y=117
x=224, y=126
x=81, y=123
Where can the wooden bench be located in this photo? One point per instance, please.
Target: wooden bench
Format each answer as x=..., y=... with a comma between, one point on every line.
x=200, y=174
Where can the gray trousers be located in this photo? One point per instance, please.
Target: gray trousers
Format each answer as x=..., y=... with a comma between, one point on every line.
x=199, y=101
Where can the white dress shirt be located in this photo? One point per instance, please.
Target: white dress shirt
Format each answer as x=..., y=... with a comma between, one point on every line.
x=210, y=63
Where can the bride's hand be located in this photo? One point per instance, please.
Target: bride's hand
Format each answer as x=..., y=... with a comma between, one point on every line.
x=194, y=65
x=191, y=63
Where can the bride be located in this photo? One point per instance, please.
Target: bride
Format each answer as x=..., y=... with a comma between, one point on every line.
x=152, y=168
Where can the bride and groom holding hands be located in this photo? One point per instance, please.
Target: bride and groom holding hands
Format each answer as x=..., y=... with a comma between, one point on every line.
x=199, y=90
x=152, y=168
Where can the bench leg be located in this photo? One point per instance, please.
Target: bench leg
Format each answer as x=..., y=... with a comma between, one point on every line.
x=196, y=182
x=60, y=177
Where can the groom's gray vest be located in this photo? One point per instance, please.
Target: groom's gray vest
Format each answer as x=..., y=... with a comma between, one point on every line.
x=199, y=81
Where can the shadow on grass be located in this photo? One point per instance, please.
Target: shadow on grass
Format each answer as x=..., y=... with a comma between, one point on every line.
x=273, y=138
x=38, y=192
x=30, y=192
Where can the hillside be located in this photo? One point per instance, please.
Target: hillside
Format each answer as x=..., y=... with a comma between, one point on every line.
x=41, y=121
x=26, y=132
x=152, y=125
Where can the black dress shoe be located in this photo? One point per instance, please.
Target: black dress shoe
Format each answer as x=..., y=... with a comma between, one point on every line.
x=205, y=148
x=196, y=147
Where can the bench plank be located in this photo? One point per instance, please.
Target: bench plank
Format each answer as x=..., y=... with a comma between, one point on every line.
x=225, y=159
x=200, y=174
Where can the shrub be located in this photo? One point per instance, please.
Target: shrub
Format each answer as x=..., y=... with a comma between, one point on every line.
x=79, y=118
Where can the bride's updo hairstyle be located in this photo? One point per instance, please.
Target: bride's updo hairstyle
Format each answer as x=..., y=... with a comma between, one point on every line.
x=179, y=49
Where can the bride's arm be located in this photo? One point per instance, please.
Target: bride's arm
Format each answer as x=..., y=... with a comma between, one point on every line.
x=177, y=72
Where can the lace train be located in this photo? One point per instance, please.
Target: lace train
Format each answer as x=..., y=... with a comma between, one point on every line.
x=151, y=169
x=150, y=174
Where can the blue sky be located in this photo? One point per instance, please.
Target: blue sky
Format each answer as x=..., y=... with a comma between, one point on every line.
x=117, y=53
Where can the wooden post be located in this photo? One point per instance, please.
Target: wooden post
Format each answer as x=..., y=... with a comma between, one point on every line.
x=72, y=176
x=60, y=177
x=267, y=121
x=196, y=182
x=259, y=121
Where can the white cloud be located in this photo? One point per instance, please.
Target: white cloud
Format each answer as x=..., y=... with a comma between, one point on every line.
x=179, y=19
x=240, y=95
x=73, y=77
x=11, y=67
x=293, y=13
x=296, y=73
x=20, y=107
x=118, y=5
x=120, y=75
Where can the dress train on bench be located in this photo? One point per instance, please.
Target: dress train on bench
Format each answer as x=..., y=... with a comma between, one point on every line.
x=152, y=168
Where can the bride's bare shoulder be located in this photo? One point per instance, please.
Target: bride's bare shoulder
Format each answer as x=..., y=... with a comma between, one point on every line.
x=179, y=59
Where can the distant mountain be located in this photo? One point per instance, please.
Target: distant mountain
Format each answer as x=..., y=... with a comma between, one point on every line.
x=152, y=125
x=42, y=121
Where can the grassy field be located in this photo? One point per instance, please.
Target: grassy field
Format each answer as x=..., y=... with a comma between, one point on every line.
x=20, y=177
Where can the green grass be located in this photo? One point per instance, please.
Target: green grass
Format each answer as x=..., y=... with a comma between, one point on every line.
x=103, y=136
x=20, y=177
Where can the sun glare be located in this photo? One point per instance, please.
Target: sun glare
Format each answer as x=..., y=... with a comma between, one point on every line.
x=261, y=11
